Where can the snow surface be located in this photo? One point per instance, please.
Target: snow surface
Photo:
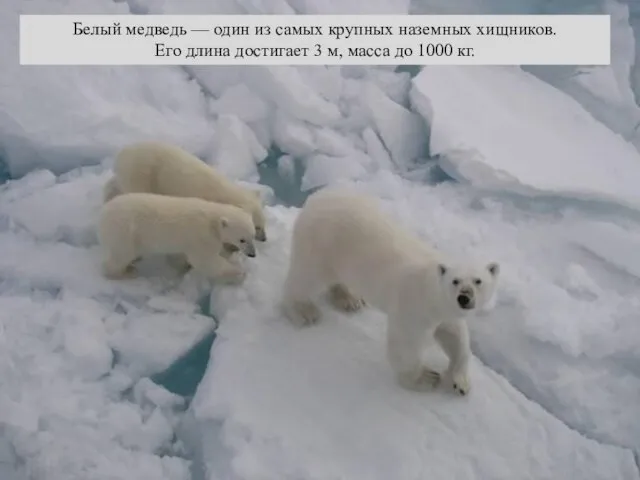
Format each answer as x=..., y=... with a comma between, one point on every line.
x=498, y=135
x=76, y=350
x=556, y=368
x=60, y=118
x=605, y=91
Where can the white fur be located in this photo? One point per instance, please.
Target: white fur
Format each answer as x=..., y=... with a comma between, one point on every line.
x=165, y=169
x=343, y=243
x=133, y=225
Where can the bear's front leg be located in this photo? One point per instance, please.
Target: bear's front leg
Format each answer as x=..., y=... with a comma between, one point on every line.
x=404, y=349
x=216, y=267
x=453, y=337
x=225, y=271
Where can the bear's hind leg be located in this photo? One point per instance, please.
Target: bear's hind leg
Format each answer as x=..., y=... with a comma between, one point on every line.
x=179, y=263
x=343, y=300
x=404, y=348
x=119, y=267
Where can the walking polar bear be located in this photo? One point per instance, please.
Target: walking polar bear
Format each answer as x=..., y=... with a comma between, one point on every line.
x=133, y=225
x=343, y=244
x=165, y=169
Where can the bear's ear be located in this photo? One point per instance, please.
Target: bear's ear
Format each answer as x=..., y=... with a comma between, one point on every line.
x=494, y=268
x=257, y=194
x=223, y=222
x=442, y=269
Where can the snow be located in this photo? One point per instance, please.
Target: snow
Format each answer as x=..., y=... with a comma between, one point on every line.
x=291, y=135
x=283, y=86
x=375, y=149
x=605, y=91
x=238, y=150
x=634, y=20
x=322, y=170
x=501, y=124
x=48, y=124
x=61, y=420
x=555, y=371
x=242, y=102
x=401, y=131
x=73, y=344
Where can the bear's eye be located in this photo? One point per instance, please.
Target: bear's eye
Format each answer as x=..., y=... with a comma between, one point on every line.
x=456, y=281
x=242, y=240
x=477, y=281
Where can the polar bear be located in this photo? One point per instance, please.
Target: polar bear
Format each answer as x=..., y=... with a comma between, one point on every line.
x=133, y=225
x=165, y=169
x=344, y=245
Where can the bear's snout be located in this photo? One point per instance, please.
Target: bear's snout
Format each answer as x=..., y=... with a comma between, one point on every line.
x=465, y=299
x=250, y=251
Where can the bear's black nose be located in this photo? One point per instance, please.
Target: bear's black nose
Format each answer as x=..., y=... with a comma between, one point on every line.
x=463, y=301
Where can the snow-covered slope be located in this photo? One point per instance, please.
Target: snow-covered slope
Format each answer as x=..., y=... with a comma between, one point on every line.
x=609, y=92
x=504, y=128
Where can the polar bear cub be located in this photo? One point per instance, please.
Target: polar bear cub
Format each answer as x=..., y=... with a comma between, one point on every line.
x=133, y=225
x=343, y=244
x=165, y=169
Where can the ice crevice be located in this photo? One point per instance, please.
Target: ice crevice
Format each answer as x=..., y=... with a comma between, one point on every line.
x=582, y=432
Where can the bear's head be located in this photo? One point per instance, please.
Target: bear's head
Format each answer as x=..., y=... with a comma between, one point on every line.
x=468, y=288
x=255, y=207
x=236, y=231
